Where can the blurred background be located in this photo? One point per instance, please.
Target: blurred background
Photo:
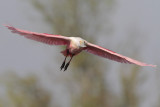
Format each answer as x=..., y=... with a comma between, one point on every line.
x=30, y=73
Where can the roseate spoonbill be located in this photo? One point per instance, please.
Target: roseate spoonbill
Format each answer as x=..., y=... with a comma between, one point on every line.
x=74, y=45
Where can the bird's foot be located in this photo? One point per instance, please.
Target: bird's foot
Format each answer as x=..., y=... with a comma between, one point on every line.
x=66, y=66
x=62, y=66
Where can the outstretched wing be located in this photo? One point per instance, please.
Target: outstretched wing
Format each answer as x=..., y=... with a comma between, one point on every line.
x=100, y=51
x=41, y=37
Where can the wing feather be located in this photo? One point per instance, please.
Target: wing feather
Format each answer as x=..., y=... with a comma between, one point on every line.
x=41, y=37
x=106, y=53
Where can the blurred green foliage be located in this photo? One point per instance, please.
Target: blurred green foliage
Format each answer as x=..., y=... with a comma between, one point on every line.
x=129, y=83
x=23, y=92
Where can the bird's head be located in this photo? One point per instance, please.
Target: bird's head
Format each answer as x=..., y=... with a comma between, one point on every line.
x=82, y=43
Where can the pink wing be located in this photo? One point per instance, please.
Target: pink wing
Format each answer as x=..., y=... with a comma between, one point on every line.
x=100, y=51
x=41, y=37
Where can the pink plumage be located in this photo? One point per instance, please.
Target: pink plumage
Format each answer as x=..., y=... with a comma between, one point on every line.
x=74, y=46
x=100, y=51
x=41, y=37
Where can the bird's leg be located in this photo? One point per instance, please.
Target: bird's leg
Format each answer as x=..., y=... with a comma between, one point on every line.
x=63, y=64
x=66, y=66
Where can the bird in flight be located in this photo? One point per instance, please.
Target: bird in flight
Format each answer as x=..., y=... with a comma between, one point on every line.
x=75, y=45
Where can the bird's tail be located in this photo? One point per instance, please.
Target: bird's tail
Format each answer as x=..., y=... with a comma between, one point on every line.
x=65, y=53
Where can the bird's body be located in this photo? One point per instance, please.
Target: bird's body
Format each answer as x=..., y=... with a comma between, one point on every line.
x=74, y=45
